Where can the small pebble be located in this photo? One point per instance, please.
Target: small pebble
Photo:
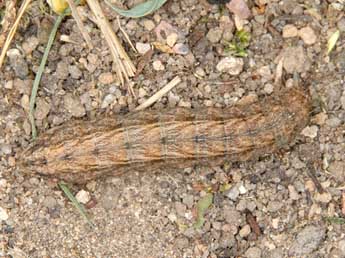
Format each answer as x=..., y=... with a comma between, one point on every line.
x=172, y=39
x=74, y=71
x=310, y=131
x=233, y=193
x=149, y=25
x=108, y=99
x=49, y=202
x=142, y=93
x=245, y=231
x=83, y=196
x=323, y=197
x=293, y=193
x=308, y=35
x=242, y=189
x=268, y=88
x=74, y=105
x=9, y=84
x=106, y=78
x=253, y=252
x=142, y=47
x=181, y=49
x=158, y=65
x=290, y=31
x=24, y=102
x=214, y=35
x=6, y=149
x=91, y=186
x=232, y=65
x=3, y=214
x=333, y=122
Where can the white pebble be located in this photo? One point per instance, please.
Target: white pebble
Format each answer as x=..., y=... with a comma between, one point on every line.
x=142, y=47
x=83, y=196
x=232, y=65
x=310, y=131
x=171, y=39
x=158, y=65
x=3, y=214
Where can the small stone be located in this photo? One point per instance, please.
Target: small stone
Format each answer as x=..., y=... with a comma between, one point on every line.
x=268, y=88
x=149, y=25
x=295, y=60
x=265, y=73
x=275, y=223
x=49, y=202
x=200, y=72
x=74, y=71
x=308, y=35
x=239, y=8
x=180, y=209
x=3, y=214
x=310, y=186
x=172, y=39
x=158, y=65
x=18, y=63
x=24, y=102
x=30, y=45
x=337, y=169
x=293, y=193
x=320, y=119
x=26, y=127
x=106, y=78
x=253, y=252
x=11, y=161
x=62, y=70
x=333, y=122
x=214, y=35
x=74, y=105
x=232, y=65
x=242, y=189
x=6, y=149
x=108, y=99
x=232, y=193
x=274, y=206
x=307, y=240
x=245, y=231
x=323, y=197
x=83, y=196
x=188, y=200
x=9, y=85
x=142, y=93
x=42, y=109
x=310, y=131
x=91, y=186
x=3, y=184
x=181, y=49
x=142, y=47
x=172, y=217
x=341, y=245
x=290, y=31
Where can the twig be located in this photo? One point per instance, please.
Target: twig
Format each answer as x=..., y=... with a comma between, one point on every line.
x=80, y=24
x=311, y=173
x=126, y=35
x=159, y=94
x=13, y=30
x=7, y=20
x=251, y=220
x=124, y=66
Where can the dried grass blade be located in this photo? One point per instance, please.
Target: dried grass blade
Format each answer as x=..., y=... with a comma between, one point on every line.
x=13, y=30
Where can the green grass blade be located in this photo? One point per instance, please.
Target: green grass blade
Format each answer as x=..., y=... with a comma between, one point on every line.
x=41, y=69
x=139, y=10
x=75, y=202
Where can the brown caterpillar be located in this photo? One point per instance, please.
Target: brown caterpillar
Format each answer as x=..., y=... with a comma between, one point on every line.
x=147, y=140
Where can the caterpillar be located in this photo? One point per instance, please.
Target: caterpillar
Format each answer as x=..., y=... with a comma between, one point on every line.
x=156, y=139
